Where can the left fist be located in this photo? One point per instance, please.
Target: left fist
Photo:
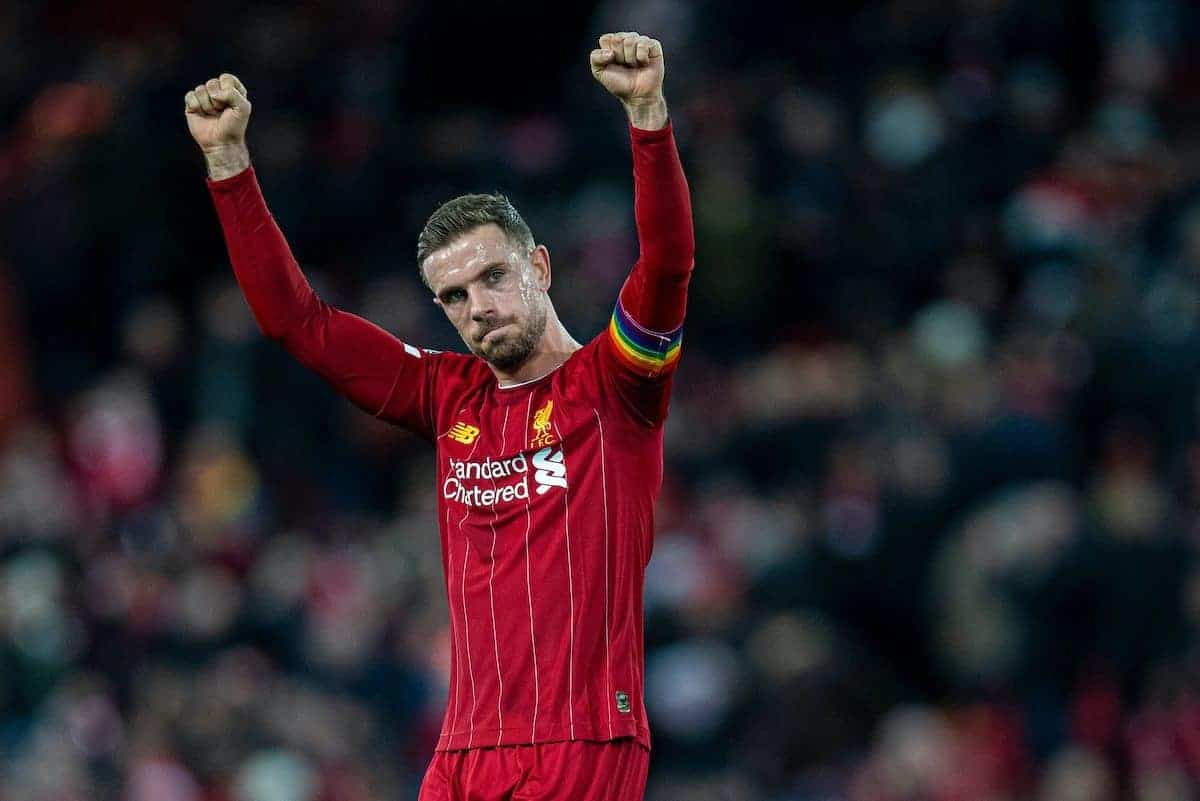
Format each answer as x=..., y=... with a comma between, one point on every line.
x=630, y=66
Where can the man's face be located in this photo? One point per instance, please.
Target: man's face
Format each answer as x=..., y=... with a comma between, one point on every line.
x=494, y=292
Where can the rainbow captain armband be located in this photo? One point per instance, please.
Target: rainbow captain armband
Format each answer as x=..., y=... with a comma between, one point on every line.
x=646, y=352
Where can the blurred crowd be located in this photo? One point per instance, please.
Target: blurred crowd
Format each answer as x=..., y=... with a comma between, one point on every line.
x=931, y=523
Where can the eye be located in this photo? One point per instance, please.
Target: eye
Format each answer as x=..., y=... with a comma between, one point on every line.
x=454, y=296
x=495, y=275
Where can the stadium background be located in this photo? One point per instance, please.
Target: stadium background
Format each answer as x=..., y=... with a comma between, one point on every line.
x=930, y=526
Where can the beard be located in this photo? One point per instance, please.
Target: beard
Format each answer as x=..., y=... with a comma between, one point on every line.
x=512, y=351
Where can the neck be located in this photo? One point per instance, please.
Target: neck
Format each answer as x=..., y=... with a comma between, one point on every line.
x=554, y=348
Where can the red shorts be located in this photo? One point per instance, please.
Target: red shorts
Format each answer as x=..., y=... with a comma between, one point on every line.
x=566, y=771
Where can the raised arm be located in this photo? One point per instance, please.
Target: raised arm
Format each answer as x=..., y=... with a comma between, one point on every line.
x=655, y=293
x=372, y=368
x=647, y=324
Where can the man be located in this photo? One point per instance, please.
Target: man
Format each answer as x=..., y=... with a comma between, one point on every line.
x=549, y=453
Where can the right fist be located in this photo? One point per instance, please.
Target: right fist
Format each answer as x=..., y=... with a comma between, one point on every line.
x=217, y=112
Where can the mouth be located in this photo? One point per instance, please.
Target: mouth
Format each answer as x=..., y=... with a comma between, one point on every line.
x=492, y=335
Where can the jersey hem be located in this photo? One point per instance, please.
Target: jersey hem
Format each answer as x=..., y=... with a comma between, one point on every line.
x=489, y=738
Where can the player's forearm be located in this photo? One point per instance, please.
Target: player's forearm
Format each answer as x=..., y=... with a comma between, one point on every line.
x=648, y=115
x=268, y=274
x=226, y=161
x=374, y=370
x=656, y=292
x=662, y=205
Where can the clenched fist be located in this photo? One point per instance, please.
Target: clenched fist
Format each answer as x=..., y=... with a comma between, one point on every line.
x=217, y=113
x=630, y=66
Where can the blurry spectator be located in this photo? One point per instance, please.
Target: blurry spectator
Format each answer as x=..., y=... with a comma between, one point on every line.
x=929, y=530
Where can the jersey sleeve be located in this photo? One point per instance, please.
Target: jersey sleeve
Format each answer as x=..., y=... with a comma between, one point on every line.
x=379, y=373
x=645, y=333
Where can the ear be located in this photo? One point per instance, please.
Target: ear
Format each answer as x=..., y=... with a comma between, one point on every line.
x=540, y=259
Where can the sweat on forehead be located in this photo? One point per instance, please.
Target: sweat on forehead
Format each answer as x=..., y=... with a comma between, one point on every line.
x=461, y=215
x=471, y=252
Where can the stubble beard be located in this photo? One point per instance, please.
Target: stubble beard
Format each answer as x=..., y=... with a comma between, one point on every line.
x=510, y=353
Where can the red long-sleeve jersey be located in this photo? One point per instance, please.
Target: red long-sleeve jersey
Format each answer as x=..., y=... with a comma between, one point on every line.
x=545, y=489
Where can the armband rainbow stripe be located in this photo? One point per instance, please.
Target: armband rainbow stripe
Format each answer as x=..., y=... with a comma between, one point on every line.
x=647, y=352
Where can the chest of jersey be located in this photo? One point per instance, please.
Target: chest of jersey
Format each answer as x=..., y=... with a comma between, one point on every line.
x=515, y=465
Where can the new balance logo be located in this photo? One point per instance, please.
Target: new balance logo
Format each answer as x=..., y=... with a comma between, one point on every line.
x=551, y=472
x=464, y=433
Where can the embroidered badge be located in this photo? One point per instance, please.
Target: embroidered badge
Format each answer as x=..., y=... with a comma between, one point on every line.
x=543, y=433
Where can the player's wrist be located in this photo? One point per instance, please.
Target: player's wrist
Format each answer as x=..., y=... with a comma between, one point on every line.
x=648, y=114
x=226, y=161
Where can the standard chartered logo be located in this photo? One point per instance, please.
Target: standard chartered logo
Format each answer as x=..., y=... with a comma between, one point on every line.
x=551, y=472
x=490, y=481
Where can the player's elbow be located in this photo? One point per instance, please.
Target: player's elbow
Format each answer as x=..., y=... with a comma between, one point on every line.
x=683, y=252
x=274, y=329
x=305, y=320
x=675, y=262
x=679, y=271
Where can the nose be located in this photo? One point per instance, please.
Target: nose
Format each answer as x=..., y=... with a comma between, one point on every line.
x=482, y=307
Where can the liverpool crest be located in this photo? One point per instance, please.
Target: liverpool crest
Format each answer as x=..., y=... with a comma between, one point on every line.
x=543, y=433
